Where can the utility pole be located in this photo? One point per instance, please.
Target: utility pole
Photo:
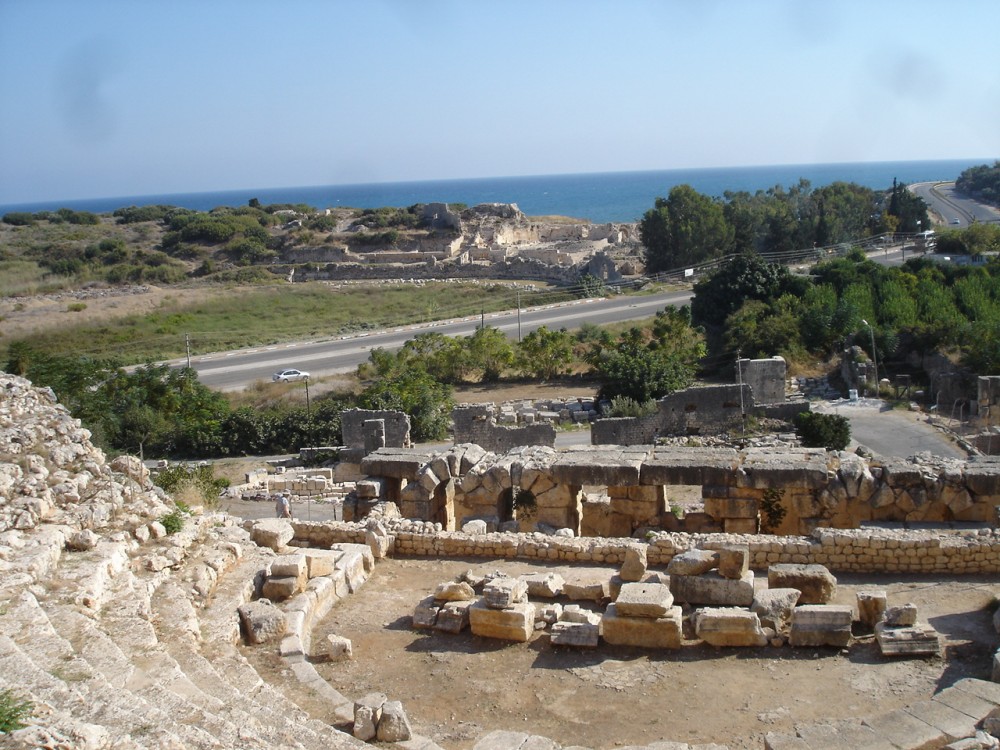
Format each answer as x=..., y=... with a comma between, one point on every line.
x=482, y=317
x=187, y=346
x=519, y=316
x=739, y=370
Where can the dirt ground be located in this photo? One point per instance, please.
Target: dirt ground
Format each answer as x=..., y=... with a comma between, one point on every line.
x=455, y=688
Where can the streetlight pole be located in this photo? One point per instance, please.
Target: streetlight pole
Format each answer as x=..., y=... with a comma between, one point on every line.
x=874, y=357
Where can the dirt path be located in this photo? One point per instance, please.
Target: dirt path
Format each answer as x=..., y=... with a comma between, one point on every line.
x=457, y=687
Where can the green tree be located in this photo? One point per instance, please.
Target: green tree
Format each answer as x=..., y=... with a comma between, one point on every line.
x=684, y=229
x=744, y=277
x=489, y=352
x=830, y=431
x=635, y=369
x=545, y=354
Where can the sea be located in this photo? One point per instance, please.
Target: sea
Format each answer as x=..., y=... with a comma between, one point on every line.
x=599, y=197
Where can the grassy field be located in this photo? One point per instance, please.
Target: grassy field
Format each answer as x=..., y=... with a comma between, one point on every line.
x=257, y=316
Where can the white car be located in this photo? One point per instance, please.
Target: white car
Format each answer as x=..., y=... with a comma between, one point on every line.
x=287, y=376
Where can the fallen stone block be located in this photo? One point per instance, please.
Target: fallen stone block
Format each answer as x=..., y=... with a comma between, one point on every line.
x=577, y=614
x=393, y=724
x=693, y=562
x=634, y=566
x=713, y=590
x=548, y=613
x=734, y=561
x=644, y=600
x=367, y=712
x=727, y=626
x=426, y=612
x=279, y=589
x=453, y=591
x=903, y=615
x=821, y=625
x=273, y=533
x=338, y=648
x=514, y=624
x=544, y=585
x=262, y=622
x=774, y=607
x=453, y=617
x=504, y=592
x=582, y=635
x=644, y=632
x=476, y=527
x=871, y=607
x=917, y=640
x=593, y=592
x=815, y=582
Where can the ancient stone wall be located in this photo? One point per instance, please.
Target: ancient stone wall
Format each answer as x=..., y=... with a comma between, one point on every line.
x=476, y=423
x=766, y=378
x=840, y=550
x=988, y=398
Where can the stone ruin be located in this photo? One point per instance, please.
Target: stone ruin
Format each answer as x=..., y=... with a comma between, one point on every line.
x=125, y=632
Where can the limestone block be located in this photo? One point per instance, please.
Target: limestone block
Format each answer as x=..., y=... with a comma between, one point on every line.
x=281, y=588
x=731, y=507
x=774, y=607
x=514, y=624
x=320, y=562
x=693, y=562
x=644, y=600
x=728, y=626
x=367, y=712
x=82, y=540
x=394, y=724
x=871, y=607
x=273, y=533
x=338, y=648
x=644, y=632
x=426, y=612
x=903, y=729
x=379, y=542
x=919, y=639
x=291, y=647
x=157, y=530
x=815, y=582
x=475, y=527
x=821, y=625
x=544, y=585
x=454, y=591
x=261, y=621
x=740, y=525
x=576, y=613
x=453, y=617
x=504, y=592
x=903, y=615
x=289, y=565
x=548, y=613
x=352, y=562
x=734, y=560
x=634, y=567
x=713, y=590
x=582, y=635
x=594, y=592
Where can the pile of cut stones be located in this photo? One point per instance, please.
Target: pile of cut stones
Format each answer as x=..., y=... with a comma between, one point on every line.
x=706, y=595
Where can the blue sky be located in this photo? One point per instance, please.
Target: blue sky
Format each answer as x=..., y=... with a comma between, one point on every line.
x=130, y=97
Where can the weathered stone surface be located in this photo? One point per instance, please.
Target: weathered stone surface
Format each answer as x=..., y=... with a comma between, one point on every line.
x=644, y=632
x=901, y=616
x=453, y=617
x=815, y=582
x=273, y=533
x=713, y=590
x=576, y=613
x=262, y=622
x=644, y=600
x=279, y=589
x=367, y=712
x=821, y=625
x=394, y=724
x=693, y=562
x=871, y=607
x=475, y=527
x=729, y=626
x=634, y=567
x=903, y=729
x=338, y=648
x=426, y=612
x=82, y=540
x=504, y=592
x=320, y=562
x=919, y=639
x=774, y=607
x=454, y=591
x=734, y=560
x=289, y=565
x=581, y=635
x=544, y=585
x=516, y=623
x=593, y=592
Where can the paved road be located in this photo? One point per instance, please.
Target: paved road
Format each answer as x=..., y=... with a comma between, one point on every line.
x=956, y=210
x=237, y=369
x=891, y=432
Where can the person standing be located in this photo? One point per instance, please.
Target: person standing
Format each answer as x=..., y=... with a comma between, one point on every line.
x=282, y=506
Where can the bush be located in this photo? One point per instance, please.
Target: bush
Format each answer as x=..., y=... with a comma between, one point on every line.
x=172, y=522
x=13, y=710
x=623, y=406
x=830, y=431
x=19, y=219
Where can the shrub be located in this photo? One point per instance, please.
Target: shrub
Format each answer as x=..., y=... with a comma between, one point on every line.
x=623, y=406
x=772, y=510
x=19, y=219
x=172, y=522
x=830, y=431
x=76, y=306
x=13, y=710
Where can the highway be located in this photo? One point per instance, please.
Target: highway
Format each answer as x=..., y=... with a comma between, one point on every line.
x=957, y=211
x=235, y=370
